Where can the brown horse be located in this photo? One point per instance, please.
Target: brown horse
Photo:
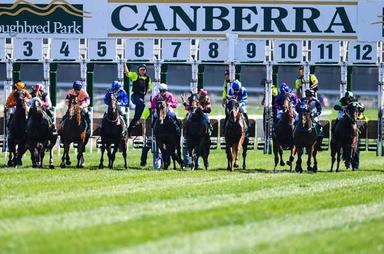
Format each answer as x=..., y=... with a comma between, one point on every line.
x=74, y=131
x=345, y=138
x=282, y=135
x=305, y=136
x=235, y=135
x=17, y=135
x=112, y=134
x=167, y=136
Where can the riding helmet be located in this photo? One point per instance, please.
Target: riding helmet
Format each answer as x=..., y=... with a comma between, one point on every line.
x=163, y=86
x=38, y=87
x=309, y=92
x=142, y=66
x=203, y=92
x=236, y=85
x=348, y=94
x=226, y=72
x=284, y=87
x=77, y=85
x=116, y=85
x=20, y=85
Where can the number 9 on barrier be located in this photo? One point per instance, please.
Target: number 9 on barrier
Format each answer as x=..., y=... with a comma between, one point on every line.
x=176, y=50
x=213, y=50
x=288, y=51
x=65, y=49
x=139, y=50
x=250, y=51
x=102, y=49
x=29, y=49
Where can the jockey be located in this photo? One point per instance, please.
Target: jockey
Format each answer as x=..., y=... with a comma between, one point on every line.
x=313, y=83
x=278, y=104
x=11, y=100
x=39, y=92
x=141, y=85
x=171, y=101
x=121, y=96
x=342, y=104
x=83, y=101
x=313, y=103
x=238, y=92
x=227, y=85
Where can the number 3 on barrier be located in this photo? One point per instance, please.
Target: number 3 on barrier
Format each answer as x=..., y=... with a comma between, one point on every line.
x=29, y=49
x=139, y=50
x=65, y=49
x=2, y=49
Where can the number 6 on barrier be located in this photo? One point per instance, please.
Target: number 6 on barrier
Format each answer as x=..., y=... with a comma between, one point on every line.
x=176, y=50
x=139, y=50
x=29, y=49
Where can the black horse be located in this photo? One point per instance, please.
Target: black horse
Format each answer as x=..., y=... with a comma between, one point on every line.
x=235, y=135
x=17, y=134
x=167, y=136
x=345, y=138
x=306, y=136
x=113, y=134
x=74, y=131
x=282, y=135
x=197, y=135
x=39, y=135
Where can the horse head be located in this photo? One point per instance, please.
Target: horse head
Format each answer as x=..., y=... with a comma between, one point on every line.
x=161, y=109
x=75, y=110
x=288, y=109
x=113, y=107
x=305, y=119
x=36, y=106
x=20, y=98
x=352, y=112
x=233, y=110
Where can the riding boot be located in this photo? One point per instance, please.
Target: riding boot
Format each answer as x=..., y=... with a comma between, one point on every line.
x=247, y=123
x=88, y=121
x=9, y=120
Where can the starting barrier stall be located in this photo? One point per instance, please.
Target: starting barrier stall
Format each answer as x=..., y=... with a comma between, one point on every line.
x=230, y=51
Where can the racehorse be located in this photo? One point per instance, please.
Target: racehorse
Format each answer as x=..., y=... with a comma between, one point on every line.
x=39, y=136
x=282, y=135
x=74, y=130
x=112, y=134
x=197, y=135
x=17, y=137
x=167, y=136
x=305, y=136
x=345, y=138
x=235, y=135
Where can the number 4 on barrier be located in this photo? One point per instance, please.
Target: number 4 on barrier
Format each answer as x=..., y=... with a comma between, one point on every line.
x=65, y=49
x=139, y=50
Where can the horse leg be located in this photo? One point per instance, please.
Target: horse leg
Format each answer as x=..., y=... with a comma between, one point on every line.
x=333, y=155
x=124, y=151
x=275, y=154
x=10, y=152
x=310, y=151
x=33, y=159
x=245, y=149
x=196, y=158
x=235, y=150
x=52, y=143
x=298, y=162
x=114, y=153
x=338, y=160
x=102, y=148
x=314, y=154
x=229, y=157
x=80, y=151
x=65, y=157
x=291, y=157
x=109, y=154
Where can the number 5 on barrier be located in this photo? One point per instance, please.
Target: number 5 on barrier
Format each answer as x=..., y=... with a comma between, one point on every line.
x=139, y=50
x=102, y=49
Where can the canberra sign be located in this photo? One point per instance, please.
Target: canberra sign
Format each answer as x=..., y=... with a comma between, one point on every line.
x=332, y=20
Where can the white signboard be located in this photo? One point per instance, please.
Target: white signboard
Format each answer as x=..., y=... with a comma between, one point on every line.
x=139, y=49
x=325, y=52
x=2, y=49
x=102, y=49
x=288, y=51
x=213, y=50
x=362, y=52
x=250, y=50
x=28, y=49
x=176, y=50
x=65, y=49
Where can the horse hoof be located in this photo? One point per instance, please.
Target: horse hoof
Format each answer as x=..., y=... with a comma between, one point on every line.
x=80, y=166
x=315, y=169
x=101, y=166
x=309, y=169
x=288, y=163
x=62, y=165
x=282, y=163
x=10, y=164
x=68, y=163
x=51, y=167
x=235, y=165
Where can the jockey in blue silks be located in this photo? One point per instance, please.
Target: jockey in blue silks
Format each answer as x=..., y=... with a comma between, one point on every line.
x=121, y=96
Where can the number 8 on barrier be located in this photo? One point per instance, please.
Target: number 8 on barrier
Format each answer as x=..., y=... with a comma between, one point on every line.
x=213, y=50
x=139, y=49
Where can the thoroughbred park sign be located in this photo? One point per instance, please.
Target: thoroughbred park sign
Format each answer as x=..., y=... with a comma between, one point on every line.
x=332, y=20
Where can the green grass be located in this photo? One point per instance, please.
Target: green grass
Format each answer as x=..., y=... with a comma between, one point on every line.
x=153, y=211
